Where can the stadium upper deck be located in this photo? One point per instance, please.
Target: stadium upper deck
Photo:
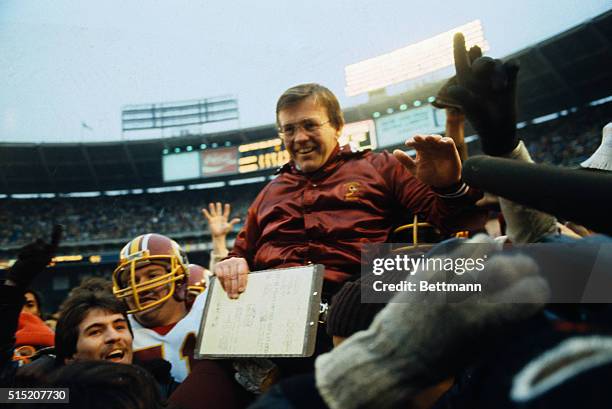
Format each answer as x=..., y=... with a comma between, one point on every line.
x=567, y=70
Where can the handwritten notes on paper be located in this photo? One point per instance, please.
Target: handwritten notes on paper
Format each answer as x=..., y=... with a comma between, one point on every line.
x=273, y=317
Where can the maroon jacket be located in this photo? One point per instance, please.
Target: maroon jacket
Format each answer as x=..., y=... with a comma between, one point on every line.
x=325, y=217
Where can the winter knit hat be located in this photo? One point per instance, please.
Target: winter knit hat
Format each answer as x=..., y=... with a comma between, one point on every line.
x=347, y=314
x=31, y=330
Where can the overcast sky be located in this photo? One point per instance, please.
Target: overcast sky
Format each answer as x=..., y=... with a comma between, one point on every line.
x=69, y=62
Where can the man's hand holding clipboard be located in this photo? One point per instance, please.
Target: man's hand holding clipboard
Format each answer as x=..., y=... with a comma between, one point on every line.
x=275, y=316
x=233, y=275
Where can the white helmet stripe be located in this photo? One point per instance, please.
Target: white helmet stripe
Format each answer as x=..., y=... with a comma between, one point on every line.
x=145, y=242
x=125, y=251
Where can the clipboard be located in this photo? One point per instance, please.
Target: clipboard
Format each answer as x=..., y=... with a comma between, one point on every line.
x=276, y=316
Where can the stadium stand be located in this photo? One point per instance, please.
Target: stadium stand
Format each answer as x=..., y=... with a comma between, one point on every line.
x=569, y=139
x=566, y=140
x=115, y=219
x=557, y=74
x=561, y=79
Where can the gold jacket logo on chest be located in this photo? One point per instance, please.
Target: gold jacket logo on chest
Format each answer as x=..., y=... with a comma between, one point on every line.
x=353, y=190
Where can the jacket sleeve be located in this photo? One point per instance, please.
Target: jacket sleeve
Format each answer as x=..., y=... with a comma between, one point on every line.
x=450, y=209
x=524, y=224
x=215, y=258
x=245, y=245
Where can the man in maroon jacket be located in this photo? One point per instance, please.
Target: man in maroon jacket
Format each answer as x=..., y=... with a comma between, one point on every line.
x=329, y=200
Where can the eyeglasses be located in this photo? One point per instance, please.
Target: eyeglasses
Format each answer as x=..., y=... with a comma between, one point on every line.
x=308, y=125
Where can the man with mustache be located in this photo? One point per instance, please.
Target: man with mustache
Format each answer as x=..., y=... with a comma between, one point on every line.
x=92, y=325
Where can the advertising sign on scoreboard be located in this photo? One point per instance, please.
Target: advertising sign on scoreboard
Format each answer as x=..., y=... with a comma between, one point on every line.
x=217, y=162
x=395, y=129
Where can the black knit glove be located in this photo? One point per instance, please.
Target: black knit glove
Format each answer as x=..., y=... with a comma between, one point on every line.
x=33, y=258
x=443, y=100
x=486, y=91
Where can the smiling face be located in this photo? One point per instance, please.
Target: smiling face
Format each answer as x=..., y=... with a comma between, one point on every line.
x=167, y=312
x=104, y=335
x=151, y=279
x=313, y=137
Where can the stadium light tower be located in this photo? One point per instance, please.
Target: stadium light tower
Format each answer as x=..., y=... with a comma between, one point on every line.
x=183, y=114
x=410, y=62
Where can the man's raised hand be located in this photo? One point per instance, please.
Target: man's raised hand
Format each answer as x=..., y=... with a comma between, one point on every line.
x=442, y=99
x=217, y=217
x=486, y=92
x=437, y=162
x=33, y=258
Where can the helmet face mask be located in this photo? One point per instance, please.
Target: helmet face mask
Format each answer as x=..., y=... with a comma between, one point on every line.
x=145, y=288
x=195, y=290
x=420, y=235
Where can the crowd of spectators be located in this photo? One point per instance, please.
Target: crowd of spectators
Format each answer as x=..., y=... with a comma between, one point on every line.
x=476, y=322
x=565, y=141
x=569, y=139
x=117, y=217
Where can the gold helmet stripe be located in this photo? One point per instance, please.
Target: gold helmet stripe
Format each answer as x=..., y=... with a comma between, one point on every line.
x=128, y=249
x=134, y=246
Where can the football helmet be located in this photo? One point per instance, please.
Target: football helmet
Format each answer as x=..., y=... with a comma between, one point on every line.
x=198, y=279
x=142, y=251
x=420, y=235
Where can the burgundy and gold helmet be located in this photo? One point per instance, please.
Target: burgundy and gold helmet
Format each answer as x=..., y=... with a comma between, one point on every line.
x=142, y=251
x=198, y=279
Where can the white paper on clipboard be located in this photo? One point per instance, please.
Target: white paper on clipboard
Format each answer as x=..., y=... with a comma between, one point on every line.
x=276, y=316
